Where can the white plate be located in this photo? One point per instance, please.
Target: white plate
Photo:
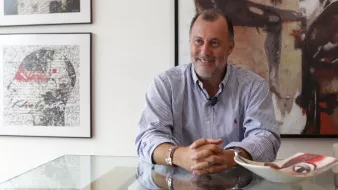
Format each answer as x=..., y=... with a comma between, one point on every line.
x=298, y=167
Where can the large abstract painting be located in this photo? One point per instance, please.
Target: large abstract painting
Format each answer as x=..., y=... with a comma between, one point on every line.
x=45, y=85
x=293, y=44
x=40, y=12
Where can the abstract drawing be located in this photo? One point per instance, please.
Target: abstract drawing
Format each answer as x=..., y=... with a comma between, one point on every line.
x=45, y=12
x=45, y=84
x=43, y=89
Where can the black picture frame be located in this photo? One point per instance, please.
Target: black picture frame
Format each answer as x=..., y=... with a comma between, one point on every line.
x=66, y=80
x=46, y=19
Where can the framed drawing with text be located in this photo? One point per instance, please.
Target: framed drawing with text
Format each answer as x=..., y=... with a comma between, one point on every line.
x=44, y=12
x=293, y=45
x=45, y=84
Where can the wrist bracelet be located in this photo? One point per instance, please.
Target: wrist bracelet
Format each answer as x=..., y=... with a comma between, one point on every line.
x=169, y=180
x=169, y=159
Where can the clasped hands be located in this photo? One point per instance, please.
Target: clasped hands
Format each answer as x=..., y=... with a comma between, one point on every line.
x=205, y=156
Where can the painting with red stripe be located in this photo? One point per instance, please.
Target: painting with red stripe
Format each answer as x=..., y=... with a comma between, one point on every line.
x=41, y=85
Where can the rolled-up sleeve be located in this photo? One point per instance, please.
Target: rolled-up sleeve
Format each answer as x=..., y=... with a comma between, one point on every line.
x=156, y=123
x=261, y=131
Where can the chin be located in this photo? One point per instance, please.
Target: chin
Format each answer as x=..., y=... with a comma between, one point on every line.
x=206, y=74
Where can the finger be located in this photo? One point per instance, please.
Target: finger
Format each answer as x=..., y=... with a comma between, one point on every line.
x=198, y=143
x=202, y=154
x=215, y=141
x=211, y=170
x=201, y=165
x=212, y=147
x=203, y=141
x=200, y=172
x=217, y=169
x=216, y=159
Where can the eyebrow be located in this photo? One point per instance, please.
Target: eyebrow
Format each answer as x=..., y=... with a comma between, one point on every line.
x=194, y=37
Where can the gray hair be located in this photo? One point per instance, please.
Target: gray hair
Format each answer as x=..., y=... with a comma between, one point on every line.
x=212, y=15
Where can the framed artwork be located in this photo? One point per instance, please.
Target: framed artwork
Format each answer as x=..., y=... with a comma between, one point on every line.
x=45, y=84
x=293, y=45
x=44, y=12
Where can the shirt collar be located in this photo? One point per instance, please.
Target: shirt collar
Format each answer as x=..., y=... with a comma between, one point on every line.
x=197, y=81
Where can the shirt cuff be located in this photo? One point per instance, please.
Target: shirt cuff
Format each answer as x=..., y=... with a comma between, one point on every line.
x=248, y=147
x=148, y=157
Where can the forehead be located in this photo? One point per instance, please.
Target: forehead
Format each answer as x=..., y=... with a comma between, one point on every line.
x=217, y=28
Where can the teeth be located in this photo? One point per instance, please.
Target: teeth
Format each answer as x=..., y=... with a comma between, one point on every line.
x=205, y=61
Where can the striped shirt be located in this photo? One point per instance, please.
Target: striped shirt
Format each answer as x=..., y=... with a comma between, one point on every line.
x=178, y=111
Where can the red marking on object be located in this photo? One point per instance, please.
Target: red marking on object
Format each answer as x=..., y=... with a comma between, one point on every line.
x=23, y=75
x=53, y=70
x=30, y=105
x=303, y=111
x=235, y=121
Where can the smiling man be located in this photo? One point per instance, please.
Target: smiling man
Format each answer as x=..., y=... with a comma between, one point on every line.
x=198, y=115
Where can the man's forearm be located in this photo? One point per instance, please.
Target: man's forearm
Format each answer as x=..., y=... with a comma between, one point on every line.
x=262, y=146
x=244, y=153
x=161, y=153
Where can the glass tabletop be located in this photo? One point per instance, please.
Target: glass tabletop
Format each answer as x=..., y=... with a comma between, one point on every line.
x=105, y=172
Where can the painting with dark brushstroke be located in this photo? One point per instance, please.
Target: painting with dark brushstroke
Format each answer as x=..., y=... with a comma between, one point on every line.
x=294, y=46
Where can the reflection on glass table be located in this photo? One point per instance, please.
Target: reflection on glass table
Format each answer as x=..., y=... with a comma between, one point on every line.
x=105, y=172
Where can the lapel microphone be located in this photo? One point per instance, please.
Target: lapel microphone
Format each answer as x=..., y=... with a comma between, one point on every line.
x=213, y=101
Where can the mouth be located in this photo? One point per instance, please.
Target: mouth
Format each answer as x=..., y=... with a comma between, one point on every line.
x=206, y=61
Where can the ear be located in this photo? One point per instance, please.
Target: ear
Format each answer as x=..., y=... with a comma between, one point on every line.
x=231, y=47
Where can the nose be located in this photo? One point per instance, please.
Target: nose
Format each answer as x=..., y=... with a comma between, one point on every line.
x=205, y=49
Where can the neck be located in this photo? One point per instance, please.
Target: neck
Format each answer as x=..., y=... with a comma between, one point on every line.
x=211, y=85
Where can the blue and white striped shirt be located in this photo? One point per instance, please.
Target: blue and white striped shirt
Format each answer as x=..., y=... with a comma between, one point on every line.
x=177, y=111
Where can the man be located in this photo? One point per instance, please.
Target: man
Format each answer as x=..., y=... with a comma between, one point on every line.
x=260, y=15
x=198, y=115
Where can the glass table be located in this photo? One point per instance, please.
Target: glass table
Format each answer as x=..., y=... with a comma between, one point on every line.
x=104, y=172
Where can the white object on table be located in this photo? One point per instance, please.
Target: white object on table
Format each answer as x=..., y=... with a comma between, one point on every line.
x=335, y=154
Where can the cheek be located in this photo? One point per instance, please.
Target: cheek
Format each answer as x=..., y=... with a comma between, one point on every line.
x=222, y=53
x=193, y=50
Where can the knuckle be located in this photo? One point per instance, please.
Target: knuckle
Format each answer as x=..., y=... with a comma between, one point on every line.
x=215, y=147
x=212, y=170
x=213, y=159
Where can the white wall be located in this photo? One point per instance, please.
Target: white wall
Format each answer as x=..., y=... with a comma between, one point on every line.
x=133, y=41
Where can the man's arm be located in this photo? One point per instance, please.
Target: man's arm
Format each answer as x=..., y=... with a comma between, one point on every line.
x=155, y=131
x=261, y=136
x=155, y=125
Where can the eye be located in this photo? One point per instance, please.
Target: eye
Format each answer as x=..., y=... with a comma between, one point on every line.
x=198, y=42
x=303, y=168
x=215, y=43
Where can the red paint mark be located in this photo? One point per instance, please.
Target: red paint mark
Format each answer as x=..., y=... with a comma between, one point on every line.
x=53, y=70
x=327, y=125
x=296, y=34
x=30, y=105
x=235, y=121
x=303, y=111
x=328, y=59
x=23, y=75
